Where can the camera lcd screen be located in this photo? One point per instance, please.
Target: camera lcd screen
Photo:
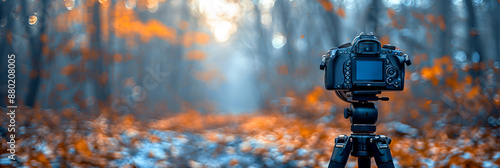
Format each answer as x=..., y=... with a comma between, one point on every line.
x=369, y=70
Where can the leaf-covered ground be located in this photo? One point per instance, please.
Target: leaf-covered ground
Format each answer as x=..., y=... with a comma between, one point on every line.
x=67, y=139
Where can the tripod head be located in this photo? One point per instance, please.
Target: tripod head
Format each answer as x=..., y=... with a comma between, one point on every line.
x=362, y=113
x=360, y=96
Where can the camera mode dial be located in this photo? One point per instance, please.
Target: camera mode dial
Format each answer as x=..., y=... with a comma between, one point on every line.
x=388, y=46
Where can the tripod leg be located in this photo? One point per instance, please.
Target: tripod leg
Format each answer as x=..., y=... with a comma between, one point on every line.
x=341, y=152
x=381, y=151
x=364, y=162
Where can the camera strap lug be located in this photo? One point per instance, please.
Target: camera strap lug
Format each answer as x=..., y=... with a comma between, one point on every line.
x=323, y=63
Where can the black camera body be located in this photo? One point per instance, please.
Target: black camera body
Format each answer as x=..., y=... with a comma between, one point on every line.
x=364, y=65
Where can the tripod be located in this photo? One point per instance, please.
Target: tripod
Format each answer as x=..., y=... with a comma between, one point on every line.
x=362, y=143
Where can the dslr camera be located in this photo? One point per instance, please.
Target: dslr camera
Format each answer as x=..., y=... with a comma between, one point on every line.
x=364, y=65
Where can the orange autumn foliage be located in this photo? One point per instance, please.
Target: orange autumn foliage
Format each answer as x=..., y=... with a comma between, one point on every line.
x=431, y=18
x=434, y=73
x=127, y=25
x=385, y=40
x=128, y=121
x=68, y=46
x=263, y=124
x=428, y=36
x=183, y=25
x=190, y=38
x=77, y=15
x=340, y=12
x=66, y=112
x=418, y=16
x=44, y=38
x=9, y=37
x=40, y=157
x=233, y=162
x=195, y=55
x=82, y=148
x=314, y=95
x=68, y=70
x=123, y=23
x=418, y=58
x=117, y=58
x=391, y=13
x=283, y=70
x=260, y=123
x=61, y=87
x=327, y=5
x=192, y=120
x=102, y=78
x=451, y=80
x=283, y=132
x=209, y=75
x=441, y=22
x=474, y=92
x=105, y=20
x=431, y=74
x=33, y=74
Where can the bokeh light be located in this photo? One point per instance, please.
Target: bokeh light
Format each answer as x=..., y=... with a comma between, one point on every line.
x=70, y=4
x=279, y=40
x=3, y=22
x=223, y=30
x=32, y=19
x=221, y=16
x=130, y=4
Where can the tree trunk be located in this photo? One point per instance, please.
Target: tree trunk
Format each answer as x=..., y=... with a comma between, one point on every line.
x=474, y=42
x=36, y=53
x=444, y=37
x=102, y=75
x=373, y=17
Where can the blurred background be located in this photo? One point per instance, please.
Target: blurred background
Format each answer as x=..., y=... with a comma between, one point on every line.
x=236, y=83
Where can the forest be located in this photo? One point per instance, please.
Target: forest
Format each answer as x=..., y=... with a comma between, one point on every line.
x=236, y=83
